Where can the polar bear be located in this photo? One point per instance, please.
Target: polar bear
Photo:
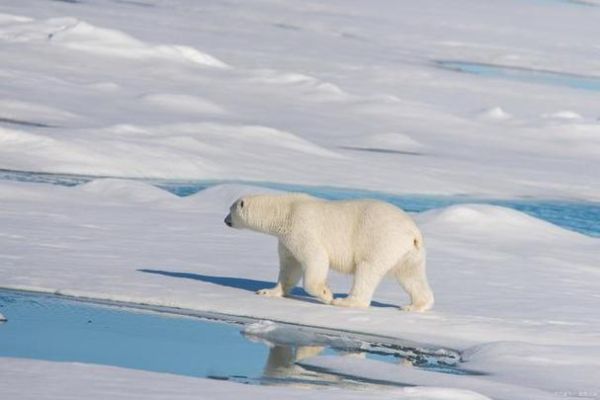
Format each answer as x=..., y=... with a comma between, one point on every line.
x=367, y=238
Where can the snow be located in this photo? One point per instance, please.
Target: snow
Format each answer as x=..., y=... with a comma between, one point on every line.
x=206, y=91
x=67, y=381
x=494, y=113
x=2, y=318
x=495, y=271
x=342, y=93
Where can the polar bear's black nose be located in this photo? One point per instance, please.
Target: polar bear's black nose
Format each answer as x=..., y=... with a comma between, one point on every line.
x=228, y=220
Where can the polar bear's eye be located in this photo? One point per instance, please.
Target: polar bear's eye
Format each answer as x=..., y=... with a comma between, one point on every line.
x=242, y=204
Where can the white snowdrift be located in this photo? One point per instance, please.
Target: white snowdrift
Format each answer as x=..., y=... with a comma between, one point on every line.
x=309, y=85
x=494, y=113
x=181, y=103
x=200, y=150
x=75, y=34
x=498, y=223
x=28, y=111
x=125, y=191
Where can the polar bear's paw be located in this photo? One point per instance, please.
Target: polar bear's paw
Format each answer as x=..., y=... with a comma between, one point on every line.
x=416, y=307
x=326, y=295
x=273, y=292
x=350, y=302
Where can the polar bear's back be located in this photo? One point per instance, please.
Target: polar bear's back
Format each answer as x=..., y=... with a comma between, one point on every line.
x=353, y=230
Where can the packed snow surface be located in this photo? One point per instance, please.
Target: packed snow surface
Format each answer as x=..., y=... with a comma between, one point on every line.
x=66, y=381
x=495, y=272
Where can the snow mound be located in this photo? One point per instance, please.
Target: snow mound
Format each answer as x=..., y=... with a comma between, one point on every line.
x=126, y=191
x=491, y=220
x=490, y=354
x=494, y=113
x=225, y=194
x=193, y=150
x=2, y=318
x=79, y=35
x=565, y=114
x=5, y=18
x=241, y=138
x=30, y=111
x=304, y=83
x=13, y=138
x=182, y=103
x=385, y=141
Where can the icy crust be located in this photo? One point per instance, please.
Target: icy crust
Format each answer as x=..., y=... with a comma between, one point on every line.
x=66, y=381
x=274, y=333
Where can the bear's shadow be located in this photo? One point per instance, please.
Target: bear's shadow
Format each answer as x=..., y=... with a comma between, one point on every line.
x=250, y=285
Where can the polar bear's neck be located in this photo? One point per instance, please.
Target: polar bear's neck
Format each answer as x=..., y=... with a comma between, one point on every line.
x=271, y=214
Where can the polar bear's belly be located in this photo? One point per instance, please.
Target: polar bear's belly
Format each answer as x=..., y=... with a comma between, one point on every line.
x=342, y=261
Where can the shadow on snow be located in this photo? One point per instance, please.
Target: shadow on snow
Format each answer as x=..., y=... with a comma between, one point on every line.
x=250, y=285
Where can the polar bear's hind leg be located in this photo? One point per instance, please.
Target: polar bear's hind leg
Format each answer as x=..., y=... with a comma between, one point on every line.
x=412, y=277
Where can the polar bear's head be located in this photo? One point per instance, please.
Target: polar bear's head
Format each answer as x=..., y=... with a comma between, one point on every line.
x=238, y=214
x=255, y=212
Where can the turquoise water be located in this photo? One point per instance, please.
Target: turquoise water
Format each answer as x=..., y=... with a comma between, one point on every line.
x=524, y=74
x=582, y=217
x=55, y=328
x=49, y=328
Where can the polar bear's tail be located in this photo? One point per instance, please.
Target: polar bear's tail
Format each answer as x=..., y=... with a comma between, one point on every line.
x=412, y=275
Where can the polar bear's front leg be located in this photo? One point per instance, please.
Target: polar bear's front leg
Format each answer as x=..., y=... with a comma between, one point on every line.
x=315, y=278
x=290, y=272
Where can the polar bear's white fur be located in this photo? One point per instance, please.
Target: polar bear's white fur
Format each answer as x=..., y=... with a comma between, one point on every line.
x=367, y=238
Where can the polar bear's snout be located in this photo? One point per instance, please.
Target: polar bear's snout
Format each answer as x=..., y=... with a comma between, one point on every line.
x=228, y=220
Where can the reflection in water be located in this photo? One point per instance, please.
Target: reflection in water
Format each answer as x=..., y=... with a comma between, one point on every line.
x=289, y=345
x=282, y=363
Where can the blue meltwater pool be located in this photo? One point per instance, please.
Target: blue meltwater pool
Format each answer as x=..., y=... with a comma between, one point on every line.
x=544, y=77
x=55, y=328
